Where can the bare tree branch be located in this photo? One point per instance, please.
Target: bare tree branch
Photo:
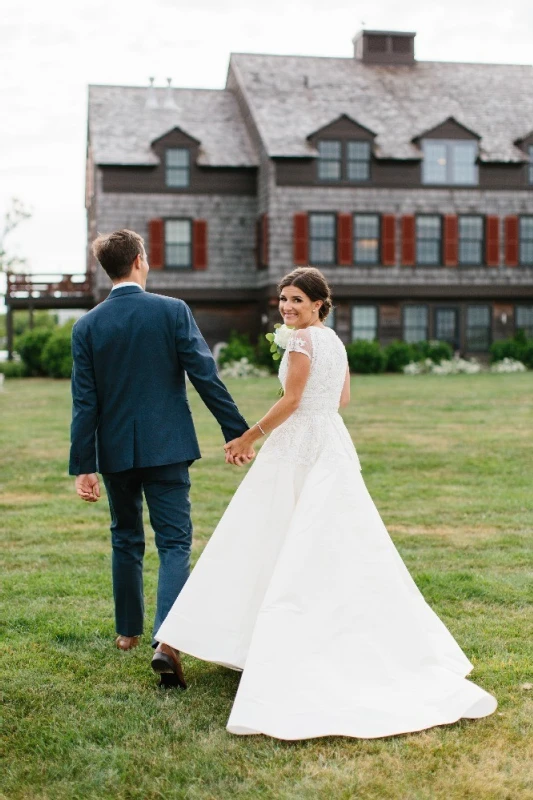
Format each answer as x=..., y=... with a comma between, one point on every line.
x=14, y=216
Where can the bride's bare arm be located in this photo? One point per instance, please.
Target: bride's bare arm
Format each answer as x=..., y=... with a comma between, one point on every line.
x=297, y=375
x=345, y=394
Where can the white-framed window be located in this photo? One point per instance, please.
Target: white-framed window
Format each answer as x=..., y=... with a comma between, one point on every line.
x=366, y=238
x=415, y=324
x=322, y=238
x=450, y=161
x=178, y=243
x=177, y=167
x=364, y=323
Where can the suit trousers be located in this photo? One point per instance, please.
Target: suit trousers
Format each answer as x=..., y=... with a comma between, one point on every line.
x=166, y=490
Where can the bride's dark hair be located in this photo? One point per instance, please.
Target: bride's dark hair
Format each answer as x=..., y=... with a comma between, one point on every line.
x=311, y=281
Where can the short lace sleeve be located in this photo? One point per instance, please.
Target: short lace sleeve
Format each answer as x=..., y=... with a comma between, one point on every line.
x=301, y=342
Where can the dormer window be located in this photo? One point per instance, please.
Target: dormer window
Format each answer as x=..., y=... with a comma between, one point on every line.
x=343, y=161
x=358, y=161
x=177, y=167
x=329, y=161
x=450, y=162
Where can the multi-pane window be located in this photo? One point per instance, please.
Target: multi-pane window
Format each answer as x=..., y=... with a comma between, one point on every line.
x=526, y=241
x=358, y=161
x=449, y=161
x=177, y=167
x=530, y=171
x=446, y=326
x=366, y=238
x=524, y=320
x=415, y=323
x=428, y=240
x=478, y=329
x=178, y=243
x=344, y=161
x=329, y=161
x=470, y=239
x=364, y=323
x=322, y=236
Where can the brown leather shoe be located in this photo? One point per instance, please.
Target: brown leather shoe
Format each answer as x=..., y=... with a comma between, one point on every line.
x=127, y=642
x=166, y=662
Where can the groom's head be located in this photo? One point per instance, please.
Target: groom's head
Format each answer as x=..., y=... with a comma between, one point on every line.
x=120, y=253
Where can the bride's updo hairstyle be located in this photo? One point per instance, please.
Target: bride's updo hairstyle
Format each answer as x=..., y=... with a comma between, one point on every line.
x=311, y=281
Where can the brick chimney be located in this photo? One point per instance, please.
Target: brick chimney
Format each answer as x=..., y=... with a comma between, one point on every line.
x=384, y=47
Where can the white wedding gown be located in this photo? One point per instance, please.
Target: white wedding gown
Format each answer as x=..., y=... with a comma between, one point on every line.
x=302, y=588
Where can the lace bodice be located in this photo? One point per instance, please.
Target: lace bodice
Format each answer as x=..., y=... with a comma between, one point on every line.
x=315, y=429
x=328, y=367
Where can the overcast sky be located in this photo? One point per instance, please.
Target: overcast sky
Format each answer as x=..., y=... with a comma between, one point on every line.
x=50, y=51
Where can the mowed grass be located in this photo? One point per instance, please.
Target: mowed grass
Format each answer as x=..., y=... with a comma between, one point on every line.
x=448, y=461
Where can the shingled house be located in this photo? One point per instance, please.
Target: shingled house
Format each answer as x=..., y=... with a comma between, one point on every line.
x=410, y=184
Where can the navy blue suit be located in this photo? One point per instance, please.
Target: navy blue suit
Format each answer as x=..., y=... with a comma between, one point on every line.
x=131, y=421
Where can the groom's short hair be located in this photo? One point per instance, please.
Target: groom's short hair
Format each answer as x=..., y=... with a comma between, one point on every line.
x=117, y=251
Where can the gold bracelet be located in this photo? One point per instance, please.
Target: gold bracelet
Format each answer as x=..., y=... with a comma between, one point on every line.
x=260, y=428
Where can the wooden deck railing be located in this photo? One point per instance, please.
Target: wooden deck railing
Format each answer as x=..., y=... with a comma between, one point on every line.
x=54, y=286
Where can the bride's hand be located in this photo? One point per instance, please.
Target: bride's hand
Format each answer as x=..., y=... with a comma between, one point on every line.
x=239, y=452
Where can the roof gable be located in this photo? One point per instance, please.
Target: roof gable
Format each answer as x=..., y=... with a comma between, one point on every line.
x=449, y=128
x=176, y=135
x=343, y=125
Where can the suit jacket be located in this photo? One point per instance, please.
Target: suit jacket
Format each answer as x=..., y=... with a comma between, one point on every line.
x=130, y=405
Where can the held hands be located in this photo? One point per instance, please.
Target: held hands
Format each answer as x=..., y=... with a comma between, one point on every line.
x=88, y=488
x=239, y=452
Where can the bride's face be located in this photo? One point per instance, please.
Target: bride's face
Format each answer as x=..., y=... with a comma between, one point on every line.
x=297, y=309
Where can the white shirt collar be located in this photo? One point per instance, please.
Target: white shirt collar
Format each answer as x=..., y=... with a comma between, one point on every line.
x=126, y=283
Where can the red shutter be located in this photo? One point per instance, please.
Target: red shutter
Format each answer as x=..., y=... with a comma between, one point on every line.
x=492, y=254
x=345, y=240
x=388, y=240
x=408, y=240
x=264, y=240
x=301, y=240
x=511, y=241
x=156, y=235
x=199, y=244
x=451, y=245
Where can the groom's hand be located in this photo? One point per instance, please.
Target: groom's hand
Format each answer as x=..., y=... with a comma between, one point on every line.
x=238, y=452
x=88, y=488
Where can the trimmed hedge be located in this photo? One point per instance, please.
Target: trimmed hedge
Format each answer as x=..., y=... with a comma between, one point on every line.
x=30, y=347
x=57, y=353
x=365, y=357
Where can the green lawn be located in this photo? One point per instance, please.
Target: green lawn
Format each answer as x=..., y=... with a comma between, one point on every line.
x=448, y=462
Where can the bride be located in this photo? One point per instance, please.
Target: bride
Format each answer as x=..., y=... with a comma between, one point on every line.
x=301, y=587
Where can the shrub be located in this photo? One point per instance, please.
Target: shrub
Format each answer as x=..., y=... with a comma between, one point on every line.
x=242, y=369
x=237, y=347
x=397, y=356
x=57, y=355
x=519, y=348
x=365, y=357
x=263, y=356
x=30, y=347
x=433, y=349
x=14, y=369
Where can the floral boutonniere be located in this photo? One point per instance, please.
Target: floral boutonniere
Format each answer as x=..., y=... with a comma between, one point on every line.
x=279, y=340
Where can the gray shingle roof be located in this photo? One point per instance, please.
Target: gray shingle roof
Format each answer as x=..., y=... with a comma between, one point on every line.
x=122, y=128
x=292, y=96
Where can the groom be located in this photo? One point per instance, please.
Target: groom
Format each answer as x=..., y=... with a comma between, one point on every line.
x=131, y=421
